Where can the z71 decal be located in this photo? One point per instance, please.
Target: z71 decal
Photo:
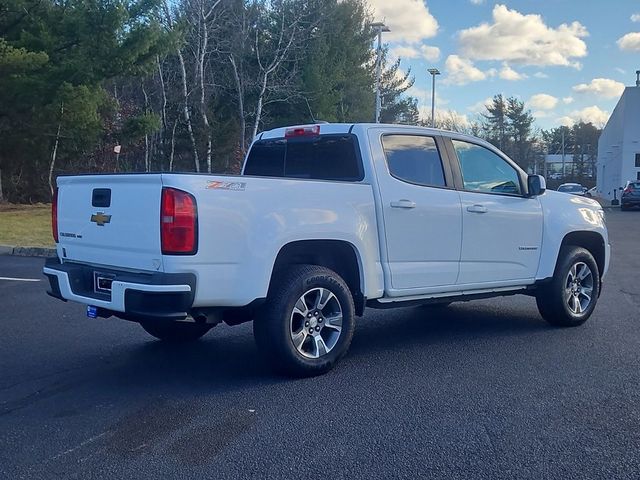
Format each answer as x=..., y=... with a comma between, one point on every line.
x=235, y=186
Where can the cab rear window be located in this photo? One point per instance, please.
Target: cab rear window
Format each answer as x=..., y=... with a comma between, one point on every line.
x=325, y=157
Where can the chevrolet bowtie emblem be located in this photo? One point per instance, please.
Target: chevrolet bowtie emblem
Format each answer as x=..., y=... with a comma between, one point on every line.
x=100, y=218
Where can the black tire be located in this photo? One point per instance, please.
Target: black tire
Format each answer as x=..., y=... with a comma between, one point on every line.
x=175, y=332
x=555, y=302
x=273, y=327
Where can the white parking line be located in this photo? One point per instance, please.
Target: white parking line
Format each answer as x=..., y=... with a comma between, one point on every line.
x=20, y=279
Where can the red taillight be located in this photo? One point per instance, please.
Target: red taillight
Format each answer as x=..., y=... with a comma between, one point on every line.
x=54, y=215
x=627, y=190
x=307, y=131
x=178, y=223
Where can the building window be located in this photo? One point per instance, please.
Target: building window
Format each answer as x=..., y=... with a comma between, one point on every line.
x=638, y=176
x=637, y=160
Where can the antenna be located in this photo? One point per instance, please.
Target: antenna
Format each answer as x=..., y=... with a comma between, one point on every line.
x=637, y=78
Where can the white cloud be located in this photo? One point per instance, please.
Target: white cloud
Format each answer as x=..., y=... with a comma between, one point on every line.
x=508, y=73
x=635, y=17
x=423, y=51
x=404, y=51
x=477, y=2
x=567, y=100
x=621, y=70
x=540, y=75
x=452, y=120
x=430, y=53
x=461, y=71
x=481, y=106
x=602, y=87
x=421, y=94
x=409, y=20
x=543, y=101
x=591, y=114
x=630, y=42
x=524, y=39
x=541, y=114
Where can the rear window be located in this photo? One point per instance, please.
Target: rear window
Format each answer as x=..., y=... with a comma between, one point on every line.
x=327, y=157
x=570, y=188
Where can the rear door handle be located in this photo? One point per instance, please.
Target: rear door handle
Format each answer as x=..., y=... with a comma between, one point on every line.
x=477, y=209
x=403, y=204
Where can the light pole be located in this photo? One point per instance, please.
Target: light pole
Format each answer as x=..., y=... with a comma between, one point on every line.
x=433, y=72
x=381, y=27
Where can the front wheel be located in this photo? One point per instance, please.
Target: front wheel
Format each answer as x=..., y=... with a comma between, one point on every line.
x=307, y=323
x=571, y=296
x=175, y=332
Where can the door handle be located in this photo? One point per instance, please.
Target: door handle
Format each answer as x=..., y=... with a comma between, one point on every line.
x=403, y=204
x=477, y=209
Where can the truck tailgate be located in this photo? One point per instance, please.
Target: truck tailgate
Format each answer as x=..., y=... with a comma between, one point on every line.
x=111, y=220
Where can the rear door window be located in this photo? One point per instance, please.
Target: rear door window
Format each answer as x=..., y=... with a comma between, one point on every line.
x=414, y=159
x=326, y=157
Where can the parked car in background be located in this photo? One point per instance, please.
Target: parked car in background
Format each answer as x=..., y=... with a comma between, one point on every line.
x=592, y=192
x=573, y=188
x=630, y=196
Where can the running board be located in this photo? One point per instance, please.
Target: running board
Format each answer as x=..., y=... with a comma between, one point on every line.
x=388, y=302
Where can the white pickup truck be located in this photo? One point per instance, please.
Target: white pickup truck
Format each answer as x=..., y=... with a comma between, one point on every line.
x=324, y=220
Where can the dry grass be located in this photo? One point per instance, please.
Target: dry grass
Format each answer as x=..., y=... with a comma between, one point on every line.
x=26, y=225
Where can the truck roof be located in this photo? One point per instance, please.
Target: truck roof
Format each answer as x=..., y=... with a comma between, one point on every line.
x=333, y=128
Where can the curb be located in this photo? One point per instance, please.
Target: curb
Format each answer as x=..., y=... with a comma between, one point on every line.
x=27, y=251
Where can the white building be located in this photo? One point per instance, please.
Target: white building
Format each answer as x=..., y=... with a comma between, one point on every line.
x=619, y=145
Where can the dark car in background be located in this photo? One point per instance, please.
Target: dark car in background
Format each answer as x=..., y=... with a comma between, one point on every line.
x=572, y=188
x=630, y=196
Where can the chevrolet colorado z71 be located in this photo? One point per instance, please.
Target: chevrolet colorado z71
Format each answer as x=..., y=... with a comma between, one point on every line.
x=324, y=220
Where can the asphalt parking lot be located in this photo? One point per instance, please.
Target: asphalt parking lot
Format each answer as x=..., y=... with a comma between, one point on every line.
x=482, y=389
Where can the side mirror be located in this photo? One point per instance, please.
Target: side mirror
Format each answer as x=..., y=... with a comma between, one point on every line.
x=536, y=184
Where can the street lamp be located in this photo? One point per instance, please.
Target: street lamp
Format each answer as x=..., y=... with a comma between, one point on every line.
x=433, y=72
x=381, y=27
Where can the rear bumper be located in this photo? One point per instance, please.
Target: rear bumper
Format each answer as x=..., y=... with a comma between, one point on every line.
x=134, y=296
x=630, y=201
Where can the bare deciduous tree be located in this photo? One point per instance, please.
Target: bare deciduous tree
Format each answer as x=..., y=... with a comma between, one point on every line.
x=185, y=90
x=54, y=153
x=263, y=60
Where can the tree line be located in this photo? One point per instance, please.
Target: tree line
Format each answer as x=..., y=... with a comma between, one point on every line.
x=159, y=85
x=510, y=126
x=184, y=85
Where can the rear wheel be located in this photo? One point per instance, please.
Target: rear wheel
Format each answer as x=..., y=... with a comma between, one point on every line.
x=175, y=332
x=571, y=296
x=307, y=323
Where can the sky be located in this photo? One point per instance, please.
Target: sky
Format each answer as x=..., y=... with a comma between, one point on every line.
x=568, y=60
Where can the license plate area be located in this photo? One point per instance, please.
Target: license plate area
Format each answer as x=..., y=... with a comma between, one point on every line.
x=102, y=282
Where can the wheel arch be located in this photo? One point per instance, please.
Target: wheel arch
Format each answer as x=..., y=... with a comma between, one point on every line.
x=338, y=255
x=590, y=241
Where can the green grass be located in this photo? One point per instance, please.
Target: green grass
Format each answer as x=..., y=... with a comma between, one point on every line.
x=26, y=225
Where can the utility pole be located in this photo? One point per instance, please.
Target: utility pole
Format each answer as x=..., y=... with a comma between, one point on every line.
x=563, y=172
x=433, y=72
x=381, y=27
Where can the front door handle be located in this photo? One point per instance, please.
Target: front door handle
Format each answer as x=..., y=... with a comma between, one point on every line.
x=403, y=204
x=477, y=209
